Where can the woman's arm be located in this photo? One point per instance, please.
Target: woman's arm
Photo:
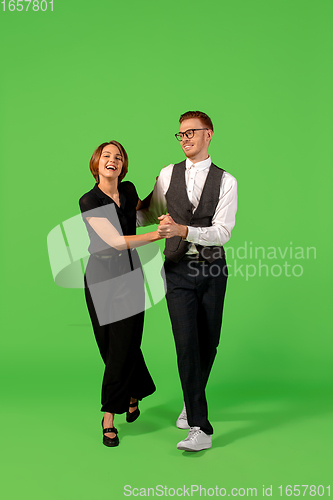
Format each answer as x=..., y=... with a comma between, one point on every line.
x=144, y=203
x=110, y=235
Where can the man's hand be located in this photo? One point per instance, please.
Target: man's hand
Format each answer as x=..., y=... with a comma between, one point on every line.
x=166, y=219
x=169, y=228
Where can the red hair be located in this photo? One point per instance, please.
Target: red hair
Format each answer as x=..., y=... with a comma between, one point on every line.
x=198, y=114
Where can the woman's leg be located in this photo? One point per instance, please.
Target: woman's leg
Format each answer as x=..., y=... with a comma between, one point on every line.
x=126, y=375
x=108, y=423
x=131, y=409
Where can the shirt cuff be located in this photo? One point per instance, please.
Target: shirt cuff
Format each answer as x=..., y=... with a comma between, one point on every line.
x=193, y=234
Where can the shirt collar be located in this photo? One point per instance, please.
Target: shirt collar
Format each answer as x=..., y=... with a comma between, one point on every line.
x=99, y=193
x=200, y=165
x=106, y=199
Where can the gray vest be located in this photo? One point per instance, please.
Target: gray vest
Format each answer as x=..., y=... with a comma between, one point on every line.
x=181, y=210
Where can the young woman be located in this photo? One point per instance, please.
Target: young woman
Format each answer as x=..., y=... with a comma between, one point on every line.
x=114, y=286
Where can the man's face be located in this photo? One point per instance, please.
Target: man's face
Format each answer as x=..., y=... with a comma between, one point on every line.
x=196, y=148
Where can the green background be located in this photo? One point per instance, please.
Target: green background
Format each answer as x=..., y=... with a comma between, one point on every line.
x=89, y=72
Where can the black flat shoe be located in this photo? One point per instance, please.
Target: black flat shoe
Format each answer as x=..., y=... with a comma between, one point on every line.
x=131, y=417
x=110, y=441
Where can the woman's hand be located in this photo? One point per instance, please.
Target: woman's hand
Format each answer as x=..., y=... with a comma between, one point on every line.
x=165, y=219
x=168, y=228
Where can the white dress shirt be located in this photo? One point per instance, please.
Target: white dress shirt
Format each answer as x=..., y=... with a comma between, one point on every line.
x=223, y=220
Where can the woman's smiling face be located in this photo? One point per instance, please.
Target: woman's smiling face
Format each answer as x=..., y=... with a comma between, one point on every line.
x=110, y=163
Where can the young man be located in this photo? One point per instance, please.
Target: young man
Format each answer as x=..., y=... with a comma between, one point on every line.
x=201, y=202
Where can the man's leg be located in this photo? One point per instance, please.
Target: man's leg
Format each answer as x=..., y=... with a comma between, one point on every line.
x=183, y=305
x=211, y=292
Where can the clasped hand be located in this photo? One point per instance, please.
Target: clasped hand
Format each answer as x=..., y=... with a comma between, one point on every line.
x=169, y=228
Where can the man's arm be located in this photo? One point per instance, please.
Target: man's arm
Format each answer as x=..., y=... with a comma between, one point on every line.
x=157, y=206
x=222, y=223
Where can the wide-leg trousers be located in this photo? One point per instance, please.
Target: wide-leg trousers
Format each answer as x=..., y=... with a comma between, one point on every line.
x=195, y=296
x=126, y=374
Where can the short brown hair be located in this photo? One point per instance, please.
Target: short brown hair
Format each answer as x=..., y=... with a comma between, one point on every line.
x=94, y=160
x=197, y=114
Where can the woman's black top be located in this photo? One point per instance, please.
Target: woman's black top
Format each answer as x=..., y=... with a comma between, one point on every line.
x=123, y=218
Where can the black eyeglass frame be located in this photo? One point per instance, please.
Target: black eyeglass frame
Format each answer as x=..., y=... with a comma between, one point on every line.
x=180, y=135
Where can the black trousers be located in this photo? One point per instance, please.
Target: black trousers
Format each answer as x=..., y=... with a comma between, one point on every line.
x=195, y=296
x=126, y=374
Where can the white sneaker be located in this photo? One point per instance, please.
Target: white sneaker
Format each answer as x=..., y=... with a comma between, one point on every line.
x=196, y=440
x=182, y=422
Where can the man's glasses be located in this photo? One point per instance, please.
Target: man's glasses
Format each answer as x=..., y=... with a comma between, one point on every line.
x=188, y=133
